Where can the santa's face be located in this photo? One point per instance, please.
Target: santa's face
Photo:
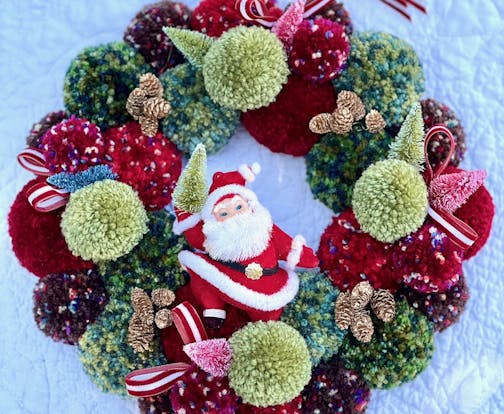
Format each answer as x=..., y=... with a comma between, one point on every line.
x=237, y=230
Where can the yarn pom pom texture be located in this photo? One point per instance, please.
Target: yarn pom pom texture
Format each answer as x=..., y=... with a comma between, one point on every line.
x=461, y=50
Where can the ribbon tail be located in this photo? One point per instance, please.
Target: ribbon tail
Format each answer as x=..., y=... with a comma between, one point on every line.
x=459, y=232
x=313, y=6
x=44, y=197
x=397, y=9
x=188, y=323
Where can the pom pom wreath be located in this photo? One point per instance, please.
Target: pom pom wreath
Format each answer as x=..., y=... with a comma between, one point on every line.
x=397, y=353
x=194, y=117
x=348, y=256
x=151, y=165
x=336, y=12
x=336, y=162
x=103, y=221
x=72, y=182
x=334, y=389
x=199, y=392
x=433, y=113
x=319, y=50
x=427, y=260
x=73, y=145
x=390, y=200
x=41, y=127
x=282, y=126
x=292, y=407
x=157, y=404
x=99, y=80
x=232, y=78
x=385, y=72
x=152, y=264
x=105, y=354
x=312, y=314
x=66, y=303
x=214, y=17
x=271, y=363
x=37, y=240
x=145, y=33
x=443, y=309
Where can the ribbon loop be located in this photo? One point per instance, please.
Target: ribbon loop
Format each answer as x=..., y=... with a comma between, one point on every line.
x=44, y=197
x=33, y=160
x=437, y=129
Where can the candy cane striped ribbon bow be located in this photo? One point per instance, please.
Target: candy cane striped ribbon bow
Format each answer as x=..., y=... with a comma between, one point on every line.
x=153, y=381
x=458, y=231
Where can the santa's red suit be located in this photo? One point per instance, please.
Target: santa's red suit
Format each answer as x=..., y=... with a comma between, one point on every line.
x=249, y=276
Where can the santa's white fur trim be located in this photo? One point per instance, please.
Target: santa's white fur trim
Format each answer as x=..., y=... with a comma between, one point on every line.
x=237, y=291
x=180, y=227
x=256, y=168
x=216, y=195
x=246, y=172
x=214, y=313
x=295, y=252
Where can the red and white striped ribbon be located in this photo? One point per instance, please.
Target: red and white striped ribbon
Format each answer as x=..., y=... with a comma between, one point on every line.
x=33, y=160
x=44, y=197
x=313, y=6
x=400, y=6
x=153, y=381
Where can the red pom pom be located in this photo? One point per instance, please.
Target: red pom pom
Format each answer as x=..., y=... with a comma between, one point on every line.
x=427, y=260
x=37, y=241
x=73, y=145
x=282, y=126
x=214, y=17
x=292, y=407
x=151, y=165
x=349, y=256
x=319, y=51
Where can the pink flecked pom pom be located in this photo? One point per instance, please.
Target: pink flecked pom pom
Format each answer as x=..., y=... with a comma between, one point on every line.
x=213, y=355
x=287, y=25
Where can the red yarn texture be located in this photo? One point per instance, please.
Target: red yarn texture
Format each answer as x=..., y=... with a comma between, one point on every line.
x=319, y=51
x=349, y=256
x=214, y=17
x=282, y=126
x=292, y=407
x=73, y=145
x=151, y=165
x=37, y=241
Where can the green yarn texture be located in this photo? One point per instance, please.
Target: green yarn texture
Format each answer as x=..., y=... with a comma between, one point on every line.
x=103, y=221
x=336, y=162
x=193, y=45
x=271, y=364
x=150, y=265
x=312, y=314
x=390, y=200
x=194, y=118
x=398, y=352
x=104, y=351
x=99, y=81
x=246, y=68
x=385, y=72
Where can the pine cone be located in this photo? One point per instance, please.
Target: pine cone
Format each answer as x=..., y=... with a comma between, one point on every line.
x=156, y=108
x=162, y=297
x=362, y=327
x=361, y=295
x=140, y=334
x=135, y=103
x=344, y=311
x=321, y=123
x=151, y=85
x=163, y=318
x=351, y=101
x=342, y=121
x=142, y=305
x=375, y=122
x=383, y=305
x=149, y=126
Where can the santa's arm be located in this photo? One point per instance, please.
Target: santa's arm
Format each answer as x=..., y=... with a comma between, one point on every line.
x=191, y=226
x=293, y=250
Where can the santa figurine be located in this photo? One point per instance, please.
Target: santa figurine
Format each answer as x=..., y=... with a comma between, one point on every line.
x=236, y=246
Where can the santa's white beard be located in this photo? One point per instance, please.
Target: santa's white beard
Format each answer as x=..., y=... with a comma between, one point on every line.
x=238, y=238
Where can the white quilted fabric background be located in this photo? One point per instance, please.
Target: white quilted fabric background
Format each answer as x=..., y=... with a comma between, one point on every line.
x=462, y=49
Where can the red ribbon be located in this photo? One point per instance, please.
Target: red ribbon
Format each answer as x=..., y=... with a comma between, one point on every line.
x=400, y=6
x=156, y=380
x=457, y=230
x=33, y=160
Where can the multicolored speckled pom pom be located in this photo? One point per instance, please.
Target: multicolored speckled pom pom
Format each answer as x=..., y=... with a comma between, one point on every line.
x=39, y=128
x=336, y=12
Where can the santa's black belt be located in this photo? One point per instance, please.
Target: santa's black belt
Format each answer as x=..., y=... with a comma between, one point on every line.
x=269, y=271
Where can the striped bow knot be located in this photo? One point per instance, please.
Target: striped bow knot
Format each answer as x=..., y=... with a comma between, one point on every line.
x=42, y=196
x=458, y=231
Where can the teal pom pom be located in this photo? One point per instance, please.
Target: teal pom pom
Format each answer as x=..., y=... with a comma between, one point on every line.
x=73, y=182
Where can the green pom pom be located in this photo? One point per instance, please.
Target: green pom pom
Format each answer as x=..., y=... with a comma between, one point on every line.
x=150, y=265
x=336, y=162
x=399, y=351
x=390, y=200
x=409, y=143
x=312, y=314
x=99, y=81
x=385, y=72
x=271, y=364
x=194, y=118
x=104, y=351
x=103, y=221
x=246, y=68
x=194, y=45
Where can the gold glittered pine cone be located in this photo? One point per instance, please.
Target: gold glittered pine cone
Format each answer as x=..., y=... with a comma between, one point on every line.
x=149, y=126
x=156, y=108
x=361, y=295
x=383, y=305
x=142, y=305
x=362, y=327
x=321, y=123
x=163, y=318
x=375, y=122
x=343, y=310
x=135, y=103
x=351, y=101
x=342, y=121
x=162, y=297
x=151, y=85
x=140, y=335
